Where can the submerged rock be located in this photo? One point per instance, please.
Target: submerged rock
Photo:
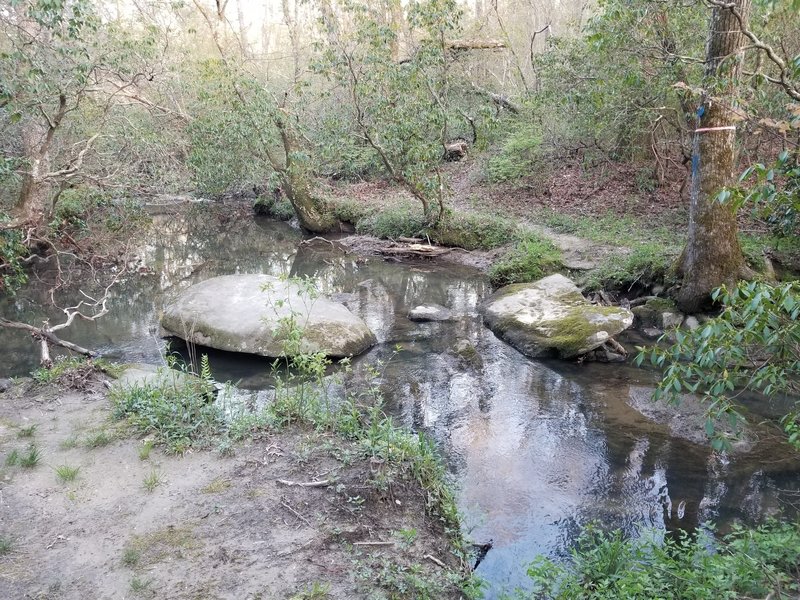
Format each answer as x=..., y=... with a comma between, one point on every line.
x=551, y=317
x=430, y=312
x=251, y=313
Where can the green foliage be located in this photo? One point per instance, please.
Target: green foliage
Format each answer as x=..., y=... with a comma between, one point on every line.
x=773, y=191
x=31, y=458
x=753, y=345
x=532, y=258
x=66, y=473
x=403, y=220
x=747, y=563
x=473, y=230
x=73, y=205
x=177, y=410
x=646, y=263
x=400, y=109
x=6, y=545
x=12, y=254
x=61, y=366
x=518, y=155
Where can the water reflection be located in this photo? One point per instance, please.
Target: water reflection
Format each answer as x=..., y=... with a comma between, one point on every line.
x=537, y=448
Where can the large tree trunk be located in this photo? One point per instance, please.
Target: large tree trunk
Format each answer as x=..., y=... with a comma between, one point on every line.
x=712, y=256
x=296, y=183
x=34, y=203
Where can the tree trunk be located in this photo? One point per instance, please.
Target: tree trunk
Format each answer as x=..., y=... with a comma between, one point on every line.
x=712, y=256
x=296, y=183
x=34, y=201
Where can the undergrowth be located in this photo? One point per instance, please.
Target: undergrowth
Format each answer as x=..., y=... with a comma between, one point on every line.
x=747, y=563
x=530, y=259
x=646, y=264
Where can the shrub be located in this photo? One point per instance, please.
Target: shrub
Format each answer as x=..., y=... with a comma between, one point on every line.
x=531, y=258
x=752, y=563
x=405, y=220
x=518, y=155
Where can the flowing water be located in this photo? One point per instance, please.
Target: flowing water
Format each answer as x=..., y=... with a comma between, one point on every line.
x=536, y=448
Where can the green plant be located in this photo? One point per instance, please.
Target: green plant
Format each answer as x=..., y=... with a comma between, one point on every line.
x=754, y=563
x=753, y=345
x=6, y=545
x=175, y=409
x=518, y=156
x=61, y=365
x=66, y=473
x=31, y=458
x=97, y=439
x=27, y=432
x=145, y=449
x=13, y=458
x=140, y=586
x=152, y=480
x=131, y=556
x=531, y=258
x=69, y=443
x=315, y=591
x=646, y=264
x=403, y=220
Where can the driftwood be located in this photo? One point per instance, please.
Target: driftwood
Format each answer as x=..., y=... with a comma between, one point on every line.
x=308, y=484
x=414, y=250
x=46, y=337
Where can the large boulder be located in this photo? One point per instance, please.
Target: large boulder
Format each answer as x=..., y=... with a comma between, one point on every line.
x=249, y=313
x=551, y=317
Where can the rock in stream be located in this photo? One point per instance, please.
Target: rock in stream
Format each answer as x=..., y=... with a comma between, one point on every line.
x=551, y=317
x=248, y=313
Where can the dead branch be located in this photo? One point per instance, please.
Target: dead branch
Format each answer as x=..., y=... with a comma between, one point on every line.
x=307, y=484
x=44, y=334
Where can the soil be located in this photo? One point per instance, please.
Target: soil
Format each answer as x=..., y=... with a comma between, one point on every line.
x=213, y=526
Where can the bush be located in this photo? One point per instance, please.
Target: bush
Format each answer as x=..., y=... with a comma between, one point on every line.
x=646, y=264
x=403, y=221
x=518, y=155
x=471, y=231
x=754, y=563
x=531, y=258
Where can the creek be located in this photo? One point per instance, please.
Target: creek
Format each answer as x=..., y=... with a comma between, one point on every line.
x=536, y=448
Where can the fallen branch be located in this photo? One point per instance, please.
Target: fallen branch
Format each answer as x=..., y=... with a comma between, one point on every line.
x=307, y=484
x=45, y=334
x=435, y=560
x=373, y=543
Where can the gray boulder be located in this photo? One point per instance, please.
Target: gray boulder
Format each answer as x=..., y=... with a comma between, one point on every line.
x=430, y=312
x=551, y=316
x=249, y=313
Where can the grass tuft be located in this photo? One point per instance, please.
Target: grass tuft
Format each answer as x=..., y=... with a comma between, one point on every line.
x=27, y=432
x=152, y=481
x=31, y=458
x=66, y=473
x=98, y=439
x=145, y=449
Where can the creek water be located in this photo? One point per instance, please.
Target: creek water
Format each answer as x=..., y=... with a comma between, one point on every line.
x=536, y=448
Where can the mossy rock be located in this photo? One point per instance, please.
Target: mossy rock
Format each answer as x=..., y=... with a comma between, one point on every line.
x=550, y=317
x=255, y=314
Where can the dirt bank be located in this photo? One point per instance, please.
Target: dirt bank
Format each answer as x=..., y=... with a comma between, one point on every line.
x=204, y=525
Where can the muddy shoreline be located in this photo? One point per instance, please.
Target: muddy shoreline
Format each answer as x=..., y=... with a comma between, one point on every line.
x=209, y=524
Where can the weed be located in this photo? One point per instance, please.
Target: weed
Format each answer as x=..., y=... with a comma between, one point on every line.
x=31, y=458
x=406, y=536
x=152, y=480
x=66, y=473
x=60, y=366
x=177, y=411
x=518, y=156
x=532, y=258
x=13, y=458
x=69, y=443
x=6, y=545
x=216, y=486
x=145, y=449
x=27, y=432
x=315, y=591
x=131, y=556
x=404, y=220
x=145, y=550
x=140, y=586
x=98, y=439
x=646, y=264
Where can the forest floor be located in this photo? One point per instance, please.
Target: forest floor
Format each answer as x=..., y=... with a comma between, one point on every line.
x=136, y=523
